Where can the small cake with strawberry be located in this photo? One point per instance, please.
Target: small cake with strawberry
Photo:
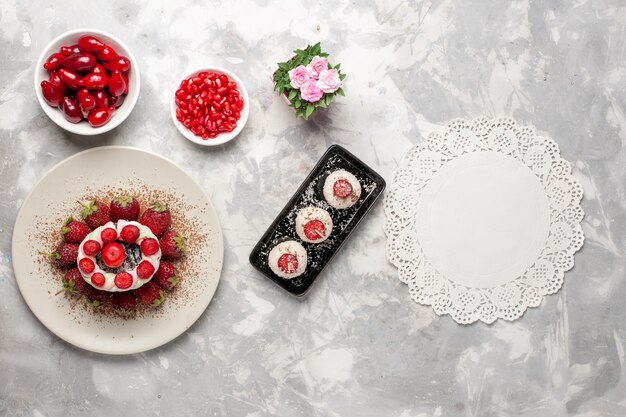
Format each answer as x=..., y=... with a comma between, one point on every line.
x=288, y=259
x=113, y=257
x=341, y=189
x=119, y=257
x=313, y=224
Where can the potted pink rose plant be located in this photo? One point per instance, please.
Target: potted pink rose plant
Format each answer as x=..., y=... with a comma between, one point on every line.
x=308, y=81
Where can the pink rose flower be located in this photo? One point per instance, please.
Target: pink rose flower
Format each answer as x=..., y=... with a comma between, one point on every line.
x=317, y=65
x=310, y=92
x=298, y=76
x=329, y=81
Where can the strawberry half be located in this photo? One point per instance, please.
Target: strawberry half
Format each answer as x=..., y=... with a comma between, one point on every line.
x=157, y=218
x=65, y=255
x=172, y=245
x=95, y=213
x=74, y=231
x=124, y=208
x=166, y=276
x=150, y=293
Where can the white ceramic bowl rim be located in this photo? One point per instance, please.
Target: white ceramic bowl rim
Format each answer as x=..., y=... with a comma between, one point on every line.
x=121, y=113
x=224, y=137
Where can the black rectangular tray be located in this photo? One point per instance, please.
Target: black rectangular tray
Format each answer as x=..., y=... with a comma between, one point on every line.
x=310, y=194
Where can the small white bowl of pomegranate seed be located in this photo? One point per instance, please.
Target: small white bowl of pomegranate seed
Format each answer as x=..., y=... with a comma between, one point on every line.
x=210, y=106
x=87, y=81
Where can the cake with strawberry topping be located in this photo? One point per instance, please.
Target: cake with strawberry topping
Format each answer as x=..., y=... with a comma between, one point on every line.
x=112, y=258
x=119, y=257
x=341, y=189
x=288, y=259
x=313, y=224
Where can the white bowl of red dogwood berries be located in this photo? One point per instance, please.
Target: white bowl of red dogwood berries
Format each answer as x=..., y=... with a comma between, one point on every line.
x=120, y=256
x=87, y=81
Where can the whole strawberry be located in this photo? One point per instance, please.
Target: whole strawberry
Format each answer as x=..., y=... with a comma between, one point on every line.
x=73, y=282
x=166, y=276
x=65, y=255
x=172, y=245
x=97, y=298
x=74, y=231
x=124, y=208
x=150, y=293
x=157, y=218
x=95, y=213
x=124, y=302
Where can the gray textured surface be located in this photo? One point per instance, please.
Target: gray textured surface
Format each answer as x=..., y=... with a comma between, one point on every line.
x=357, y=346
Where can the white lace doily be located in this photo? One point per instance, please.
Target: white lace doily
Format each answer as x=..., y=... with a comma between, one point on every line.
x=483, y=219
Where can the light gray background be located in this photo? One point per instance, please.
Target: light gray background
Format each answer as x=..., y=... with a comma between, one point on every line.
x=357, y=345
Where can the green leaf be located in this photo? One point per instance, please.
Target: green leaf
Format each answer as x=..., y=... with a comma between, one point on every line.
x=316, y=49
x=292, y=94
x=309, y=110
x=328, y=99
x=337, y=66
x=298, y=104
x=342, y=76
x=340, y=92
x=322, y=104
x=283, y=66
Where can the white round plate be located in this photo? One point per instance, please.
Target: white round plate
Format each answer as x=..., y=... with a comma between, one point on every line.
x=102, y=168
